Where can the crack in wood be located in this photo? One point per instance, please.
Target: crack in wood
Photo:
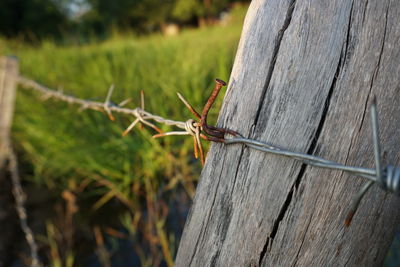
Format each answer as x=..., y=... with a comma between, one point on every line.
x=278, y=42
x=214, y=258
x=208, y=217
x=365, y=10
x=303, y=167
x=376, y=67
x=320, y=126
x=365, y=106
x=285, y=26
x=302, y=242
x=347, y=44
x=237, y=168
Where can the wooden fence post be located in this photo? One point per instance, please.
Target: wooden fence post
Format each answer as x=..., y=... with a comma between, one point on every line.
x=8, y=85
x=8, y=217
x=304, y=77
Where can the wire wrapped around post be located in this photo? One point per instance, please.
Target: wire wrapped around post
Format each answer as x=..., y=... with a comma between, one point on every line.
x=388, y=178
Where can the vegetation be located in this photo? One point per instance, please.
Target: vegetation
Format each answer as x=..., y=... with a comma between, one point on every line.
x=61, y=20
x=106, y=188
x=41, y=18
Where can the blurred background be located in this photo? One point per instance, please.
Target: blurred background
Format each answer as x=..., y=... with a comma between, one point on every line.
x=96, y=198
x=78, y=21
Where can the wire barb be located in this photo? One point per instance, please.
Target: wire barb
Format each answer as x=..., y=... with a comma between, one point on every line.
x=378, y=169
x=124, y=102
x=377, y=146
x=141, y=105
x=107, y=103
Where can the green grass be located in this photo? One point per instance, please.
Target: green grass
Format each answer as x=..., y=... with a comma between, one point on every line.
x=68, y=149
x=160, y=66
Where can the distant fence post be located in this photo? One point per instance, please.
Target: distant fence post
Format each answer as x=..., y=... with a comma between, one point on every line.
x=8, y=78
x=8, y=85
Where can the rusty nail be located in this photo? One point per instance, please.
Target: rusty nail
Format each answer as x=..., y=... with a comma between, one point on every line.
x=206, y=109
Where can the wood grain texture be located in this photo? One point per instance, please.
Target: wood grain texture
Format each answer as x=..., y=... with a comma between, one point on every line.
x=303, y=78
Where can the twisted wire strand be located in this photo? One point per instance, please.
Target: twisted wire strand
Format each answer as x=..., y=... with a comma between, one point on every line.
x=95, y=105
x=304, y=158
x=391, y=179
x=390, y=174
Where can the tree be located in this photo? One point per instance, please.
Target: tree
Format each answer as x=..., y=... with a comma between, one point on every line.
x=304, y=77
x=140, y=16
x=186, y=10
x=57, y=19
x=32, y=18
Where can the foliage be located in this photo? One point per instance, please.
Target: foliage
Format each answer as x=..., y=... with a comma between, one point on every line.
x=124, y=14
x=32, y=18
x=184, y=10
x=63, y=19
x=138, y=186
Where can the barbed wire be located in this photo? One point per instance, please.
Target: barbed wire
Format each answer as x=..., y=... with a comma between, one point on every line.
x=190, y=127
x=107, y=105
x=387, y=178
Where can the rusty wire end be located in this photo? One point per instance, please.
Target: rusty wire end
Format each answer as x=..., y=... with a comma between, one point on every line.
x=356, y=202
x=195, y=148
x=349, y=218
x=216, y=134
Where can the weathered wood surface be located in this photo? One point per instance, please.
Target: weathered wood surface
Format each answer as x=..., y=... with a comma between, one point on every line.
x=303, y=78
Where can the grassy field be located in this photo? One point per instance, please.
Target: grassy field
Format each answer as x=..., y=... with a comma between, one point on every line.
x=105, y=186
